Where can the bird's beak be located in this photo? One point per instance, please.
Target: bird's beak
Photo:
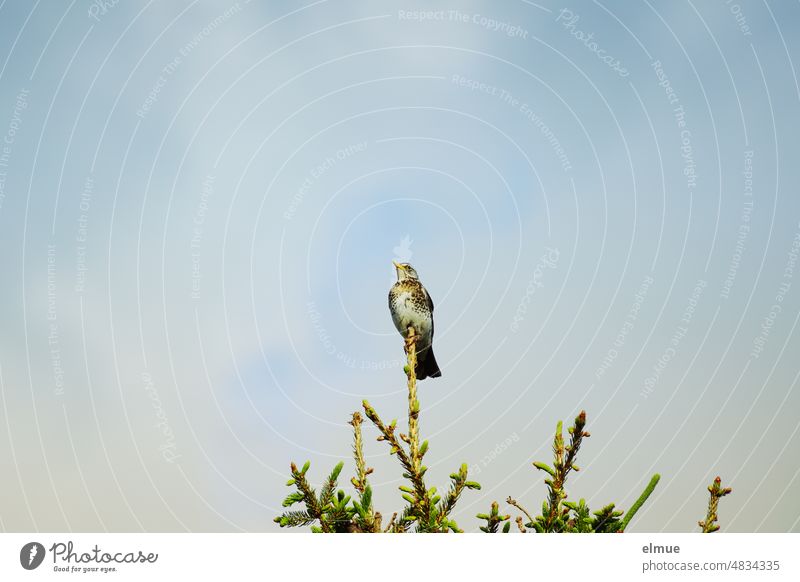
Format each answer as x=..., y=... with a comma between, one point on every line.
x=397, y=265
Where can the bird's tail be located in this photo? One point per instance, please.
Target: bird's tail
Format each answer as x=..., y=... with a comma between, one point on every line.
x=427, y=366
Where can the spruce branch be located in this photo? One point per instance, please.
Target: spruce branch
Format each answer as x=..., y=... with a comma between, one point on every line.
x=360, y=480
x=309, y=496
x=329, y=488
x=413, y=403
x=316, y=509
x=562, y=516
x=494, y=519
x=295, y=519
x=554, y=514
x=581, y=520
x=429, y=511
x=417, y=495
x=404, y=522
x=391, y=525
x=607, y=520
x=710, y=525
x=367, y=519
x=459, y=483
x=640, y=501
x=516, y=504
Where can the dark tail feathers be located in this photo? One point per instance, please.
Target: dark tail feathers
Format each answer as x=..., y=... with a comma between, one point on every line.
x=427, y=366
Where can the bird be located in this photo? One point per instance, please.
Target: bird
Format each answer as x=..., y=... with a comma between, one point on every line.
x=412, y=307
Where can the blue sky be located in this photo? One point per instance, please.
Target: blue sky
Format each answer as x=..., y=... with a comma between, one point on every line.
x=201, y=204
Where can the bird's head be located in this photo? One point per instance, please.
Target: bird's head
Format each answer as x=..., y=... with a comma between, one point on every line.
x=405, y=271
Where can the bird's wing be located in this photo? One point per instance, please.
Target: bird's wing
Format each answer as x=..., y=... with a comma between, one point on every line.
x=430, y=305
x=430, y=301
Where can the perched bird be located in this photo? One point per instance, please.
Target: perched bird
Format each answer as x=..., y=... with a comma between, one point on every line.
x=411, y=306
